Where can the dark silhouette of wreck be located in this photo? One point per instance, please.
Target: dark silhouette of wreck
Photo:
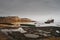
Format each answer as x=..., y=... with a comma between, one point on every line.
x=49, y=21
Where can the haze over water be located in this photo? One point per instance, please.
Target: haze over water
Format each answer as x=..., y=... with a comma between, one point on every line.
x=39, y=10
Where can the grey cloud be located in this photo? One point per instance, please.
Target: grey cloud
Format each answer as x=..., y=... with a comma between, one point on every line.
x=28, y=8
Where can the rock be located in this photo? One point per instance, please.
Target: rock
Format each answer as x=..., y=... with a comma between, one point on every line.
x=31, y=35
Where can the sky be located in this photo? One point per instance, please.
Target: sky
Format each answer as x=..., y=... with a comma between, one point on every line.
x=39, y=10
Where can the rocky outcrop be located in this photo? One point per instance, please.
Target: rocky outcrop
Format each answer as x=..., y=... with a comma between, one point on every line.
x=9, y=19
x=13, y=21
x=10, y=22
x=26, y=20
x=49, y=21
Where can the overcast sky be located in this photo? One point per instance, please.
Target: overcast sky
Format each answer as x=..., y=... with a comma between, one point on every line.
x=35, y=9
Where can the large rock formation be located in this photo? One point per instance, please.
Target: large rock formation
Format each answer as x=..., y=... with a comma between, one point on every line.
x=13, y=21
x=9, y=21
x=25, y=20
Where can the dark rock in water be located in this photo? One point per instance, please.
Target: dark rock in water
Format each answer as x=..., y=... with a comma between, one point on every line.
x=49, y=21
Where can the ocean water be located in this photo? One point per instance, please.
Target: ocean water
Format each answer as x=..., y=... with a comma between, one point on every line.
x=56, y=24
